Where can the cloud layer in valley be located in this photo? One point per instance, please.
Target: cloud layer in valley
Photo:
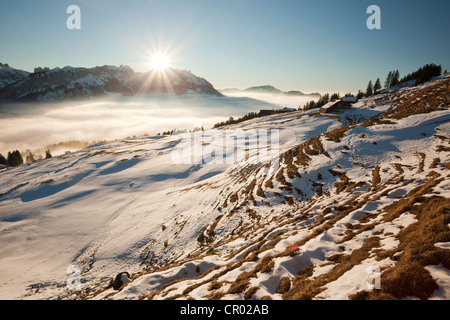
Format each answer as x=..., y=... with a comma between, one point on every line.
x=34, y=126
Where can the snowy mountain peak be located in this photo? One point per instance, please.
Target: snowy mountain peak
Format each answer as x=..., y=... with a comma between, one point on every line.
x=47, y=84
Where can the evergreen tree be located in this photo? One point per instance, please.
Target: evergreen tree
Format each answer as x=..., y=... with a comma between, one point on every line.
x=395, y=78
x=30, y=158
x=360, y=94
x=324, y=99
x=424, y=74
x=48, y=155
x=14, y=158
x=377, y=86
x=3, y=160
x=388, y=81
x=335, y=96
x=369, y=90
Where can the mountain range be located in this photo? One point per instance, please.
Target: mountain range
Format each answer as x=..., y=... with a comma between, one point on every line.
x=69, y=83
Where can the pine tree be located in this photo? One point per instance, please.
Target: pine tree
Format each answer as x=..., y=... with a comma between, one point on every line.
x=10, y=159
x=369, y=90
x=3, y=160
x=388, y=81
x=360, y=94
x=48, y=155
x=14, y=158
x=377, y=86
x=30, y=158
x=335, y=96
x=395, y=78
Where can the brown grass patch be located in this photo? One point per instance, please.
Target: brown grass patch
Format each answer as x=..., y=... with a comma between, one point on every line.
x=345, y=185
x=268, y=184
x=429, y=99
x=265, y=265
x=422, y=157
x=47, y=181
x=376, y=178
x=250, y=293
x=409, y=277
x=442, y=148
x=285, y=285
x=337, y=134
x=435, y=162
x=305, y=289
x=398, y=167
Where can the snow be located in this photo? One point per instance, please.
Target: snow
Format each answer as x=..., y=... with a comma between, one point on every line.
x=443, y=245
x=353, y=281
x=441, y=275
x=125, y=205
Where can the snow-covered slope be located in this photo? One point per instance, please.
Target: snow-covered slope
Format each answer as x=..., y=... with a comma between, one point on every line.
x=77, y=83
x=341, y=194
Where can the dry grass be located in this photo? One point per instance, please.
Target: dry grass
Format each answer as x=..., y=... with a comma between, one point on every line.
x=285, y=285
x=47, y=181
x=376, y=178
x=250, y=293
x=435, y=162
x=280, y=177
x=268, y=184
x=398, y=167
x=337, y=134
x=409, y=277
x=241, y=284
x=424, y=100
x=345, y=184
x=422, y=157
x=442, y=148
x=303, y=288
x=265, y=265
x=302, y=153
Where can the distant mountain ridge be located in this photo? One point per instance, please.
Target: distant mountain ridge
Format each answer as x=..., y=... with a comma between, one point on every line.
x=270, y=89
x=265, y=88
x=10, y=75
x=69, y=83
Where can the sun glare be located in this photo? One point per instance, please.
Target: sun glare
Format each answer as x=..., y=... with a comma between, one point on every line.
x=159, y=62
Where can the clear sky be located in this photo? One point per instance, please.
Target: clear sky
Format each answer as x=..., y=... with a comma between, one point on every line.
x=307, y=45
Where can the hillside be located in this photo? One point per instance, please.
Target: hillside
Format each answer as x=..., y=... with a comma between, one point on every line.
x=344, y=193
x=71, y=83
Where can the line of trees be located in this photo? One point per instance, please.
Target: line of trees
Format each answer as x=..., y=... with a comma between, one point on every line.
x=422, y=75
x=15, y=158
x=232, y=120
x=323, y=100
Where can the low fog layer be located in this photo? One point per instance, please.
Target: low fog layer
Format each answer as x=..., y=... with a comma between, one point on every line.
x=280, y=99
x=34, y=126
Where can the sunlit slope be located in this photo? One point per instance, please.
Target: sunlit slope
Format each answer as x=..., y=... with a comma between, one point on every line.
x=340, y=195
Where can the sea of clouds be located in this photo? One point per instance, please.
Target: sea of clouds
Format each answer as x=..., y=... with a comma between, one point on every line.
x=36, y=125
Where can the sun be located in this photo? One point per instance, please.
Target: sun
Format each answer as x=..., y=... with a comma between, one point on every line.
x=159, y=62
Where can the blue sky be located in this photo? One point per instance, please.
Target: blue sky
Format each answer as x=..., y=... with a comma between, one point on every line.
x=307, y=45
